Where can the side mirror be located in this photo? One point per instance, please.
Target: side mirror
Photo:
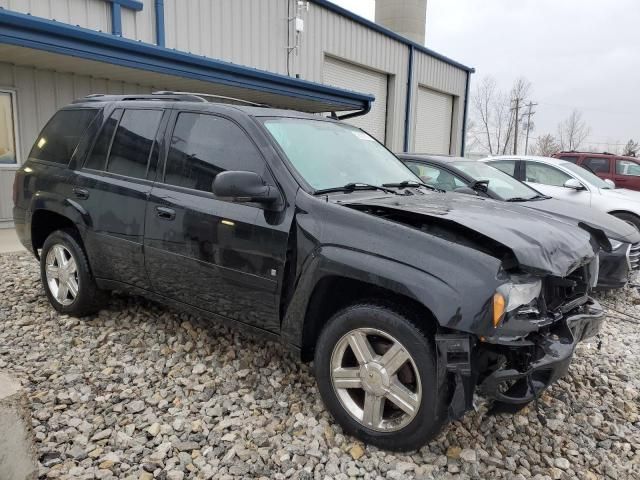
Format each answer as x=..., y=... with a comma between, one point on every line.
x=610, y=182
x=244, y=187
x=466, y=190
x=481, y=186
x=573, y=184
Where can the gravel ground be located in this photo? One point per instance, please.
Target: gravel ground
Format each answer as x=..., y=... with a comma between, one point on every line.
x=143, y=392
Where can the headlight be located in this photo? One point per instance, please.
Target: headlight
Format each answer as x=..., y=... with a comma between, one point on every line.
x=615, y=244
x=512, y=295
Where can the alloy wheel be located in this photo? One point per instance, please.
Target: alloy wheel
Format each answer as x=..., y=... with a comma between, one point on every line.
x=62, y=274
x=376, y=379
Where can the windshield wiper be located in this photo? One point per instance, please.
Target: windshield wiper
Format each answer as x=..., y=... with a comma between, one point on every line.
x=522, y=199
x=412, y=183
x=353, y=186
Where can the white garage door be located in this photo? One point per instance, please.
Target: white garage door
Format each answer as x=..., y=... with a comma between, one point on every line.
x=433, y=122
x=353, y=77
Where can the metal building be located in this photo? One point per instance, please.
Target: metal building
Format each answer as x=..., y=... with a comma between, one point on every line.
x=312, y=56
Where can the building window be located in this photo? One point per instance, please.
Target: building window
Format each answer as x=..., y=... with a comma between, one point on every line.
x=8, y=155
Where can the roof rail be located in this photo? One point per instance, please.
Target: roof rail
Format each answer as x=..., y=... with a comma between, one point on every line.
x=102, y=97
x=208, y=97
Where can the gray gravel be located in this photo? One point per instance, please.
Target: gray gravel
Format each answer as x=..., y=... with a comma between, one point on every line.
x=142, y=392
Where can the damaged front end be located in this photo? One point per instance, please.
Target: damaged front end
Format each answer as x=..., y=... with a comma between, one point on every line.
x=529, y=346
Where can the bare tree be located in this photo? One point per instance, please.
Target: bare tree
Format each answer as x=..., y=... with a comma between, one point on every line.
x=573, y=131
x=631, y=149
x=494, y=115
x=546, y=145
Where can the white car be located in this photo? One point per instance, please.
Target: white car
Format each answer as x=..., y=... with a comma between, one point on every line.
x=567, y=181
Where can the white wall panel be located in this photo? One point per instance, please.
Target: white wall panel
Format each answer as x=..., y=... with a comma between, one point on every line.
x=434, y=111
x=93, y=14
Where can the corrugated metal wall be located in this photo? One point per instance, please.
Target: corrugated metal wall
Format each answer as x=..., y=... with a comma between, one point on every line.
x=247, y=32
x=93, y=14
x=257, y=33
x=39, y=93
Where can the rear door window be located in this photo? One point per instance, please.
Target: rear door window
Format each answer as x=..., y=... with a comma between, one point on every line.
x=435, y=176
x=204, y=145
x=98, y=157
x=507, y=166
x=545, y=174
x=569, y=158
x=60, y=137
x=627, y=167
x=131, y=147
x=597, y=165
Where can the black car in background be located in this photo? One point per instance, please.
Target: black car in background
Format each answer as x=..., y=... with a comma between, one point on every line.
x=456, y=174
x=307, y=230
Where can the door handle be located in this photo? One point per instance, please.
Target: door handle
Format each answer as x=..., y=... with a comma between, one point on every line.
x=166, y=213
x=82, y=193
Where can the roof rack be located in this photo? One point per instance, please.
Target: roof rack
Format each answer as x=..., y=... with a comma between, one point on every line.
x=165, y=95
x=209, y=97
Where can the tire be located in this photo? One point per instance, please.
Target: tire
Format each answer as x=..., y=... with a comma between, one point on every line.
x=64, y=247
x=630, y=218
x=394, y=428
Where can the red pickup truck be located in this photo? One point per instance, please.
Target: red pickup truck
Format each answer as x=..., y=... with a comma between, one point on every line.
x=624, y=171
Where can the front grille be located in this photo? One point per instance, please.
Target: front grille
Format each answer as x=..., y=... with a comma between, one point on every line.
x=634, y=256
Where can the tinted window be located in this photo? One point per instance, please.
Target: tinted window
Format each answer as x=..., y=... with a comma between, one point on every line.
x=506, y=166
x=545, y=174
x=203, y=146
x=570, y=159
x=436, y=177
x=627, y=167
x=131, y=146
x=61, y=135
x=597, y=165
x=98, y=156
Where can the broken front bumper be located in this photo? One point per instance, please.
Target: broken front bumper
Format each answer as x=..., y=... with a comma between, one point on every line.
x=539, y=360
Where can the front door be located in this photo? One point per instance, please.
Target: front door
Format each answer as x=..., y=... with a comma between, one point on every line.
x=550, y=180
x=210, y=253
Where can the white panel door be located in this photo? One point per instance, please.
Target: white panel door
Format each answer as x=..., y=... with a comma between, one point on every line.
x=353, y=77
x=434, y=111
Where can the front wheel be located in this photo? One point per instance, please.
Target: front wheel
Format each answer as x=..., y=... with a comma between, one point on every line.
x=66, y=276
x=377, y=375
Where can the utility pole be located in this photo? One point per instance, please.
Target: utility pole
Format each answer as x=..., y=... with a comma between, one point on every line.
x=529, y=114
x=516, y=120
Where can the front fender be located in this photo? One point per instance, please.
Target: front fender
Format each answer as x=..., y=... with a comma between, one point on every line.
x=391, y=275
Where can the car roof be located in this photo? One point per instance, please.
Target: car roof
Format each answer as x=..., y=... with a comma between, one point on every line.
x=534, y=158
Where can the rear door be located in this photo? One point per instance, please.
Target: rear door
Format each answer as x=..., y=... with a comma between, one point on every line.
x=113, y=185
x=214, y=254
x=627, y=174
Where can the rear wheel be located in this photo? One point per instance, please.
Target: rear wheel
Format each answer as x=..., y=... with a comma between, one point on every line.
x=376, y=372
x=66, y=277
x=630, y=218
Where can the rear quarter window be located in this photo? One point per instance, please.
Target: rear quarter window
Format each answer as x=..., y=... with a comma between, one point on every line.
x=61, y=135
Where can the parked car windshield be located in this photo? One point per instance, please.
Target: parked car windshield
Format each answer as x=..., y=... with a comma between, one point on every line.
x=331, y=155
x=500, y=184
x=587, y=176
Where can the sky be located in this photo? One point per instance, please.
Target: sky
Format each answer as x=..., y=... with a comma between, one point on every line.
x=578, y=54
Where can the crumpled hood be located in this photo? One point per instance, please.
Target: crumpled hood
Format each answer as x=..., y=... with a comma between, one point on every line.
x=613, y=227
x=539, y=241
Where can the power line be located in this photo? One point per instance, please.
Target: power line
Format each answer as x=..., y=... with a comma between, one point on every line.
x=529, y=114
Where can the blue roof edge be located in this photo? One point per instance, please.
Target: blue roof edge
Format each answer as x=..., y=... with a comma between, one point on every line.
x=389, y=33
x=40, y=33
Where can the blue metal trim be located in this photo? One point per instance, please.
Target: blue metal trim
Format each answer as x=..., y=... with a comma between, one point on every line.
x=48, y=35
x=389, y=33
x=463, y=143
x=130, y=4
x=116, y=19
x=160, y=23
x=407, y=106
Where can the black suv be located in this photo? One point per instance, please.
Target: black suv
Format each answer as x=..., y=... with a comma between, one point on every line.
x=308, y=230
